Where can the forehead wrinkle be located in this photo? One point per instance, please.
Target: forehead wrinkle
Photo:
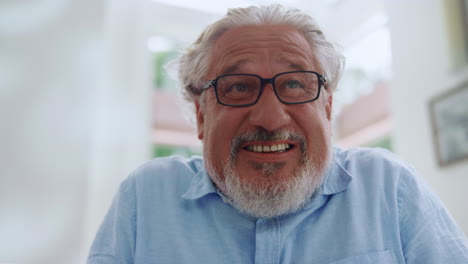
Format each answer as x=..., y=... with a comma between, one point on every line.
x=232, y=68
x=232, y=53
x=293, y=61
x=239, y=46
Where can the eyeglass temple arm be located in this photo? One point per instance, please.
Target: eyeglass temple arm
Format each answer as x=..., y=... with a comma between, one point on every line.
x=323, y=80
x=208, y=84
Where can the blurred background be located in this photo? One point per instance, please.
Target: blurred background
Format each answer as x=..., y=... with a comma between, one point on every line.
x=85, y=98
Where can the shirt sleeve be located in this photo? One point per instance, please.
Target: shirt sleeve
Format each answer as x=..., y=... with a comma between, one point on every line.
x=428, y=232
x=115, y=239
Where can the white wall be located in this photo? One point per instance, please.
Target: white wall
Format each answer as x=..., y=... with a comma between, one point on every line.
x=421, y=70
x=74, y=97
x=121, y=121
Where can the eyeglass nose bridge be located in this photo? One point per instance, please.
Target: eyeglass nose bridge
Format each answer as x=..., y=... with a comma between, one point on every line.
x=267, y=81
x=263, y=83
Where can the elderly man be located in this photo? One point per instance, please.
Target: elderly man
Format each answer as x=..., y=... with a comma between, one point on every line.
x=271, y=188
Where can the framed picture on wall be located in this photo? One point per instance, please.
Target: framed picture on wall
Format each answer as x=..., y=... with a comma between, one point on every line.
x=456, y=27
x=465, y=13
x=465, y=18
x=449, y=117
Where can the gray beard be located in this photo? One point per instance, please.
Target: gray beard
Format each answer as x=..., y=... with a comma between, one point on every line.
x=272, y=197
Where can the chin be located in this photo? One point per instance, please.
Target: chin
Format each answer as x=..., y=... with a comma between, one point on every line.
x=269, y=189
x=270, y=195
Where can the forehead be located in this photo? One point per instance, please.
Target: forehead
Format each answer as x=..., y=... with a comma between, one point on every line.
x=239, y=48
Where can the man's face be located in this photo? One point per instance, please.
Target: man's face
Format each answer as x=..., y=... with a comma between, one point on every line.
x=232, y=136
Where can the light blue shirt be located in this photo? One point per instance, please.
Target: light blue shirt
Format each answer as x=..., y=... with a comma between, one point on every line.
x=372, y=208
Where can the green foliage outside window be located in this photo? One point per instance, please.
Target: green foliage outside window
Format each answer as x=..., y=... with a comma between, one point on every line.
x=162, y=80
x=167, y=150
x=385, y=142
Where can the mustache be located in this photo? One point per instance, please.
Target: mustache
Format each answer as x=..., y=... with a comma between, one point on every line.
x=261, y=134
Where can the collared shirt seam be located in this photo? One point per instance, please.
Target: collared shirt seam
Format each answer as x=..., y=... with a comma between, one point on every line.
x=278, y=253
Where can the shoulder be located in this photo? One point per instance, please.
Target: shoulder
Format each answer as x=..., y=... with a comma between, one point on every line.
x=369, y=156
x=375, y=168
x=379, y=168
x=173, y=165
x=165, y=175
x=372, y=162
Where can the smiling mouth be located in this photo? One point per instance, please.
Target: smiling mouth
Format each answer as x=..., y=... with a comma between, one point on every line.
x=283, y=147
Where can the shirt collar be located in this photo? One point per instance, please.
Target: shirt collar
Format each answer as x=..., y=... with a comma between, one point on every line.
x=200, y=186
x=337, y=179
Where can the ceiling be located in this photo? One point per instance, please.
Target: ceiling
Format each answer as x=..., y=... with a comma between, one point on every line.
x=183, y=20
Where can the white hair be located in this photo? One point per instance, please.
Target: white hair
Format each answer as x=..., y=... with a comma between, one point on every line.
x=194, y=63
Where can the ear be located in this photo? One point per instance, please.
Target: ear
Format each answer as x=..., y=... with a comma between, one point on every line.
x=200, y=119
x=329, y=106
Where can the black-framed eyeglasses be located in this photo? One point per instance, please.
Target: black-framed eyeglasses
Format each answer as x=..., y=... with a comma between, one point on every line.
x=294, y=87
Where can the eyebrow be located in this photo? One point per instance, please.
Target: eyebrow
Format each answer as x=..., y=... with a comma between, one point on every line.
x=296, y=67
x=233, y=68
x=297, y=64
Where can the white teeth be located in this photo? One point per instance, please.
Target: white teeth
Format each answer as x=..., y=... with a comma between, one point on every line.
x=269, y=148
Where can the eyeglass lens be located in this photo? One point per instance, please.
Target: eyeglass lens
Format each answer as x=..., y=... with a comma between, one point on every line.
x=290, y=87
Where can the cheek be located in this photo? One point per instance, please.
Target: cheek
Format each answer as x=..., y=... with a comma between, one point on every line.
x=323, y=110
x=217, y=143
x=219, y=130
x=318, y=128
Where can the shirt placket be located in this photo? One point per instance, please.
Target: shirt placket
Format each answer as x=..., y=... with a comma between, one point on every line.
x=267, y=241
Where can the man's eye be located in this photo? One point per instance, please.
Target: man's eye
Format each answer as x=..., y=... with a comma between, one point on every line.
x=237, y=87
x=294, y=84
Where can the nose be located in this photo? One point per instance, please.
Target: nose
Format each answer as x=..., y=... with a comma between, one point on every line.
x=269, y=113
